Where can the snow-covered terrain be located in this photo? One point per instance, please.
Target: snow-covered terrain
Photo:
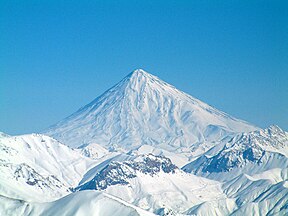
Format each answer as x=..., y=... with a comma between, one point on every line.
x=81, y=203
x=153, y=183
x=144, y=148
x=249, y=153
x=38, y=168
x=254, y=170
x=142, y=109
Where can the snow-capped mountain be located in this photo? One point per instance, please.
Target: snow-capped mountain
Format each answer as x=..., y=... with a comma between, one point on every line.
x=142, y=109
x=120, y=155
x=248, y=153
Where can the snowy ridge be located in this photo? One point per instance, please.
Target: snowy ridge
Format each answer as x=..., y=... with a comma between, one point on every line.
x=33, y=165
x=119, y=172
x=248, y=153
x=253, y=169
x=142, y=109
x=260, y=197
x=176, y=158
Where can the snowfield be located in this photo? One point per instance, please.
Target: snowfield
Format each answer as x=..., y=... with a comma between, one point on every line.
x=79, y=204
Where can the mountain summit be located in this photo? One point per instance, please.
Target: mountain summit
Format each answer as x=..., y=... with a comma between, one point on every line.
x=142, y=109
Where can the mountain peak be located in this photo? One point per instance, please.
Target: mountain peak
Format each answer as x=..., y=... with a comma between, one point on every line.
x=139, y=72
x=143, y=109
x=140, y=76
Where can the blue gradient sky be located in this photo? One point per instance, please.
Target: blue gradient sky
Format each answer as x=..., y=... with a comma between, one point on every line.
x=56, y=56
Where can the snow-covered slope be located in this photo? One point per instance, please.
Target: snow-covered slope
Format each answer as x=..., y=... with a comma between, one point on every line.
x=254, y=169
x=94, y=151
x=248, y=153
x=153, y=183
x=37, y=171
x=81, y=203
x=142, y=109
x=35, y=165
x=119, y=172
x=176, y=158
x=247, y=196
x=272, y=200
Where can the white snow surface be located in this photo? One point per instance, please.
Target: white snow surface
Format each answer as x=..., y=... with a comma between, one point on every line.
x=34, y=181
x=247, y=153
x=33, y=165
x=177, y=192
x=94, y=151
x=152, y=183
x=81, y=203
x=142, y=109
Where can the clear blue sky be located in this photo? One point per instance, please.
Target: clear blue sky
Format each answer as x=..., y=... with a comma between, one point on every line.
x=56, y=56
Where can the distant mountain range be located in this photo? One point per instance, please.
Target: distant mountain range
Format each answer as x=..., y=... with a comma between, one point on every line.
x=145, y=148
